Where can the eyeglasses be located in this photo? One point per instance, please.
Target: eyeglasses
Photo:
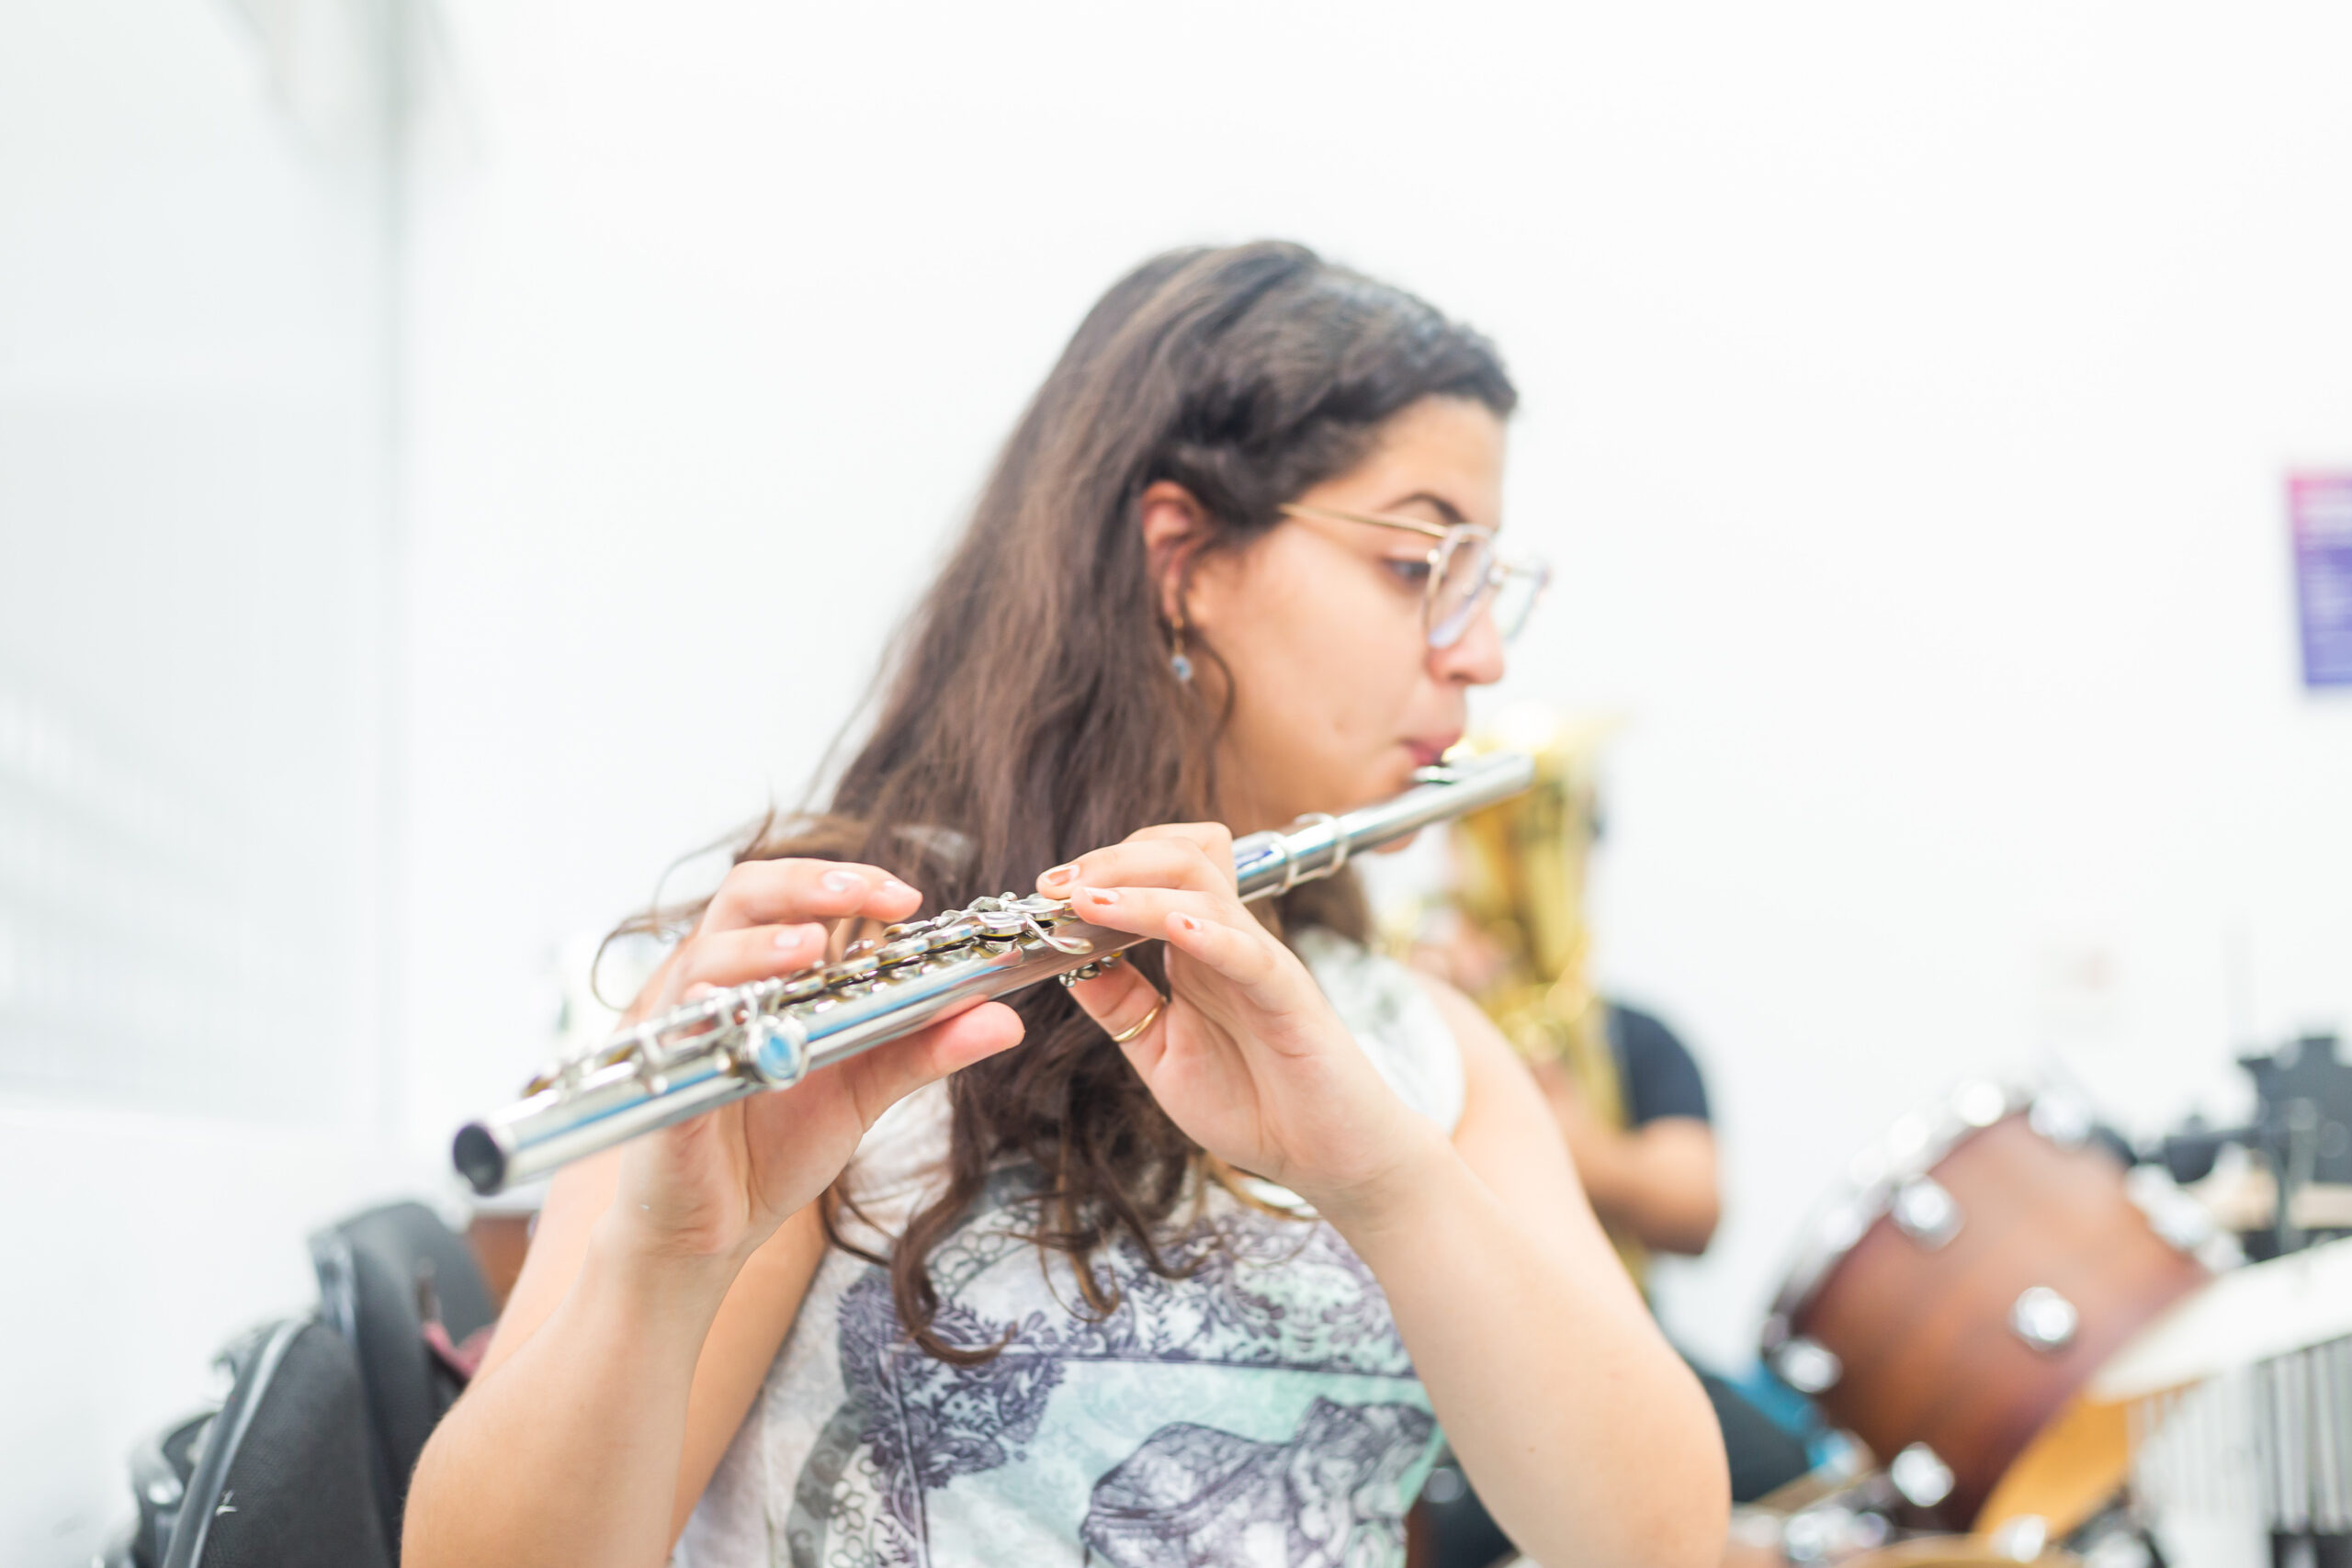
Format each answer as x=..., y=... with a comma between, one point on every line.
x=1465, y=576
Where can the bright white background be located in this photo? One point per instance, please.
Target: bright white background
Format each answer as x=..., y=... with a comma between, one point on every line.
x=196, y=637
x=1907, y=400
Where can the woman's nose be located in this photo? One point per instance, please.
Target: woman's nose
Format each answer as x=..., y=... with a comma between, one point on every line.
x=1475, y=657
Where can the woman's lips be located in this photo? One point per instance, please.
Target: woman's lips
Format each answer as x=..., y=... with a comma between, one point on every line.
x=1426, y=752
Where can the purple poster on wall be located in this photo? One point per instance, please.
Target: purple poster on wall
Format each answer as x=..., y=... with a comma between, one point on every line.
x=2319, y=508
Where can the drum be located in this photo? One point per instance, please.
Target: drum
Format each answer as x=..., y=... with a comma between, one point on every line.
x=1986, y=1258
x=1921, y=1551
x=1953, y=1552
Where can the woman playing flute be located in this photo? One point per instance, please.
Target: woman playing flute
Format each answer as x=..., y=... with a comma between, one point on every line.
x=1198, y=1261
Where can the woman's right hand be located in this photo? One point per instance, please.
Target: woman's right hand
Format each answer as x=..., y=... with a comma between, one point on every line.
x=715, y=1187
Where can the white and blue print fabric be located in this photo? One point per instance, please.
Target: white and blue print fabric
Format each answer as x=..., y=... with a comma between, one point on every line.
x=1257, y=1409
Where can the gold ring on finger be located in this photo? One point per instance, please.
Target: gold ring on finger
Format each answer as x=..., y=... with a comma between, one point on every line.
x=1140, y=1026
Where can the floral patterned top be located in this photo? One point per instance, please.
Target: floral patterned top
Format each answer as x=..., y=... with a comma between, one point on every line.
x=1261, y=1411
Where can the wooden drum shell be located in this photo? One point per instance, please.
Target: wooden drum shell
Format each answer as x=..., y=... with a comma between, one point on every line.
x=1924, y=1335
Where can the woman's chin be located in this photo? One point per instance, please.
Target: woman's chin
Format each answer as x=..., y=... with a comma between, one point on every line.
x=1390, y=781
x=1342, y=792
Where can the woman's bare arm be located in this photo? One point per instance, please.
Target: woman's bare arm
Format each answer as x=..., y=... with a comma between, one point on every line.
x=741, y=1342
x=590, y=1440
x=1587, y=1437
x=664, y=1275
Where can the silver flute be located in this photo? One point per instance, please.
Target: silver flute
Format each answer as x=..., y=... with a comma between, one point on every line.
x=770, y=1033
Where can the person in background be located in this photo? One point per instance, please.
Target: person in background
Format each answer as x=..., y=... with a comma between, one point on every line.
x=1651, y=1174
x=1511, y=931
x=1627, y=1094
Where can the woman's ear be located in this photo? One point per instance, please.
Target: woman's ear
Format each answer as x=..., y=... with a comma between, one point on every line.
x=1175, y=527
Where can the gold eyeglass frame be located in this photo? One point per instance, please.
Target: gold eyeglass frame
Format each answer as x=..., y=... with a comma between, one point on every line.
x=1449, y=538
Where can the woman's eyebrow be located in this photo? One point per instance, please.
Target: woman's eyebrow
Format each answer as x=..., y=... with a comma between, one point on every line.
x=1445, y=509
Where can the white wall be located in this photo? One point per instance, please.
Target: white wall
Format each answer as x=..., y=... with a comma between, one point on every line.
x=195, y=455
x=1908, y=396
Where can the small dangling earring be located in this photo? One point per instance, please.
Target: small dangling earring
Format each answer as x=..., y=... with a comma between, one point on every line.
x=1178, y=662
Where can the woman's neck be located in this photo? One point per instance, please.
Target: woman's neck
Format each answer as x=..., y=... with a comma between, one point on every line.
x=1242, y=809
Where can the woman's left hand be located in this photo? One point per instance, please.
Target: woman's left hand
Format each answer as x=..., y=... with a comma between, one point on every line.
x=1246, y=1056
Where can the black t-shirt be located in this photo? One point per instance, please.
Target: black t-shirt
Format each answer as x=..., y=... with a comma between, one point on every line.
x=1655, y=1070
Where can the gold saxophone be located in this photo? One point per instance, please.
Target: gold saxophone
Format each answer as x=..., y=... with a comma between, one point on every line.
x=1519, y=891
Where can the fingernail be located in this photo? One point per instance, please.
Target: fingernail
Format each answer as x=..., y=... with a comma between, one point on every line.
x=1185, y=924
x=841, y=881
x=792, y=937
x=1059, y=874
x=893, y=887
x=1102, y=894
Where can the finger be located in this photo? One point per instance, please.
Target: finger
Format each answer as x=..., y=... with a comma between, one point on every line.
x=1119, y=999
x=1245, y=954
x=1144, y=910
x=1214, y=928
x=887, y=1074
x=781, y=892
x=1169, y=861
x=750, y=953
x=1214, y=839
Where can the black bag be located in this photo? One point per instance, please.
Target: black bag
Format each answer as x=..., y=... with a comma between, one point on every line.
x=282, y=1477
x=308, y=1459
x=383, y=1276
x=161, y=1468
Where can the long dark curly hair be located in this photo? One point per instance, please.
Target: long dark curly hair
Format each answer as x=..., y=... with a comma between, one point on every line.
x=1031, y=714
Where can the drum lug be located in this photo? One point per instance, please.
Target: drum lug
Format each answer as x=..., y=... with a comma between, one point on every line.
x=2022, y=1538
x=2060, y=1119
x=1926, y=1210
x=1921, y=1475
x=1808, y=1366
x=1980, y=1102
x=2184, y=1223
x=2044, y=1319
